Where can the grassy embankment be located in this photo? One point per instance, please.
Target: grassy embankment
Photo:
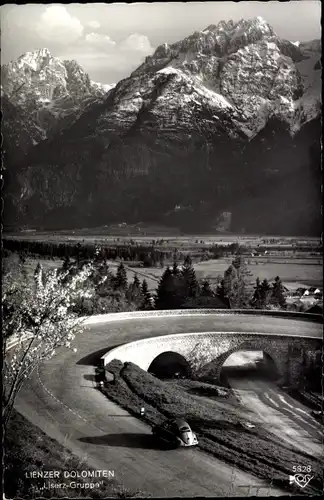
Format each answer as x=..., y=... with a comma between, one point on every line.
x=28, y=449
x=220, y=432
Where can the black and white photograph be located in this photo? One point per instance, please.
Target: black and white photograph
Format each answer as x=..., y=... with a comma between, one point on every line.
x=162, y=251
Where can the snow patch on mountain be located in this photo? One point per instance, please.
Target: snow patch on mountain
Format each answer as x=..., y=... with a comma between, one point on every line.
x=105, y=87
x=52, y=91
x=245, y=68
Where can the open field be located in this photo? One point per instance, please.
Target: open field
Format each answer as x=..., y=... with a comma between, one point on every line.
x=293, y=272
x=171, y=238
x=296, y=260
x=47, y=264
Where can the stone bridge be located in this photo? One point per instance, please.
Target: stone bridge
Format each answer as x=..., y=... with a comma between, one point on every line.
x=203, y=351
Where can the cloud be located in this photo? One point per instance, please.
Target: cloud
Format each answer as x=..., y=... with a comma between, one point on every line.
x=137, y=43
x=94, y=24
x=106, y=60
x=56, y=24
x=103, y=41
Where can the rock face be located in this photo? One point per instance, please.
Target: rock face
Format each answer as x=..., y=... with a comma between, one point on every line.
x=51, y=92
x=224, y=121
x=250, y=73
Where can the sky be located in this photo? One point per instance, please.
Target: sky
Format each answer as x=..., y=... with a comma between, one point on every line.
x=111, y=40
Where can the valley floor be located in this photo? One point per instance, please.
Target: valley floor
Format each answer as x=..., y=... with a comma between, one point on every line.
x=294, y=273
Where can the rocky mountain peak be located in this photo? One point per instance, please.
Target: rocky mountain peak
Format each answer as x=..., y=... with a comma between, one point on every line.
x=51, y=90
x=230, y=28
x=42, y=75
x=35, y=59
x=244, y=67
x=215, y=41
x=226, y=36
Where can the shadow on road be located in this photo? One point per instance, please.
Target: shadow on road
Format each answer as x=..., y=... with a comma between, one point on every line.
x=92, y=378
x=125, y=440
x=93, y=358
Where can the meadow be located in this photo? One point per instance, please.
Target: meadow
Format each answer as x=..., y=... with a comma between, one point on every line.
x=296, y=260
x=294, y=273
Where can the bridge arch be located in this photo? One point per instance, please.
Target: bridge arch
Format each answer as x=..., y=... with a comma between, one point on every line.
x=169, y=364
x=267, y=366
x=271, y=357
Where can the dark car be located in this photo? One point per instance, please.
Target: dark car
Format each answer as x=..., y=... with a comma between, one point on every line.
x=100, y=375
x=175, y=433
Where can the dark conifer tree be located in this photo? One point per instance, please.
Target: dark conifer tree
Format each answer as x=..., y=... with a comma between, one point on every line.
x=265, y=293
x=187, y=261
x=235, y=284
x=206, y=290
x=278, y=294
x=147, y=299
x=166, y=293
x=220, y=290
x=147, y=260
x=228, y=285
x=121, y=277
x=191, y=286
x=237, y=261
x=136, y=282
x=256, y=300
x=175, y=269
x=134, y=294
x=240, y=295
x=78, y=252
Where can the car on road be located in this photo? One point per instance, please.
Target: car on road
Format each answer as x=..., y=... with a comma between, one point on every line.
x=100, y=375
x=175, y=433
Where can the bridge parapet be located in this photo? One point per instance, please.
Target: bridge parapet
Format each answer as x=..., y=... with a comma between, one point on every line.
x=289, y=353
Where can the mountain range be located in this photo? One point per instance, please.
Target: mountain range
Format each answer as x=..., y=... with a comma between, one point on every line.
x=226, y=121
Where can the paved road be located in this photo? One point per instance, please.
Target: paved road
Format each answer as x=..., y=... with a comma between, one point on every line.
x=280, y=414
x=273, y=408
x=60, y=398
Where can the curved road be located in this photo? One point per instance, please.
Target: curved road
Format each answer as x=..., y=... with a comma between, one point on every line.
x=60, y=398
